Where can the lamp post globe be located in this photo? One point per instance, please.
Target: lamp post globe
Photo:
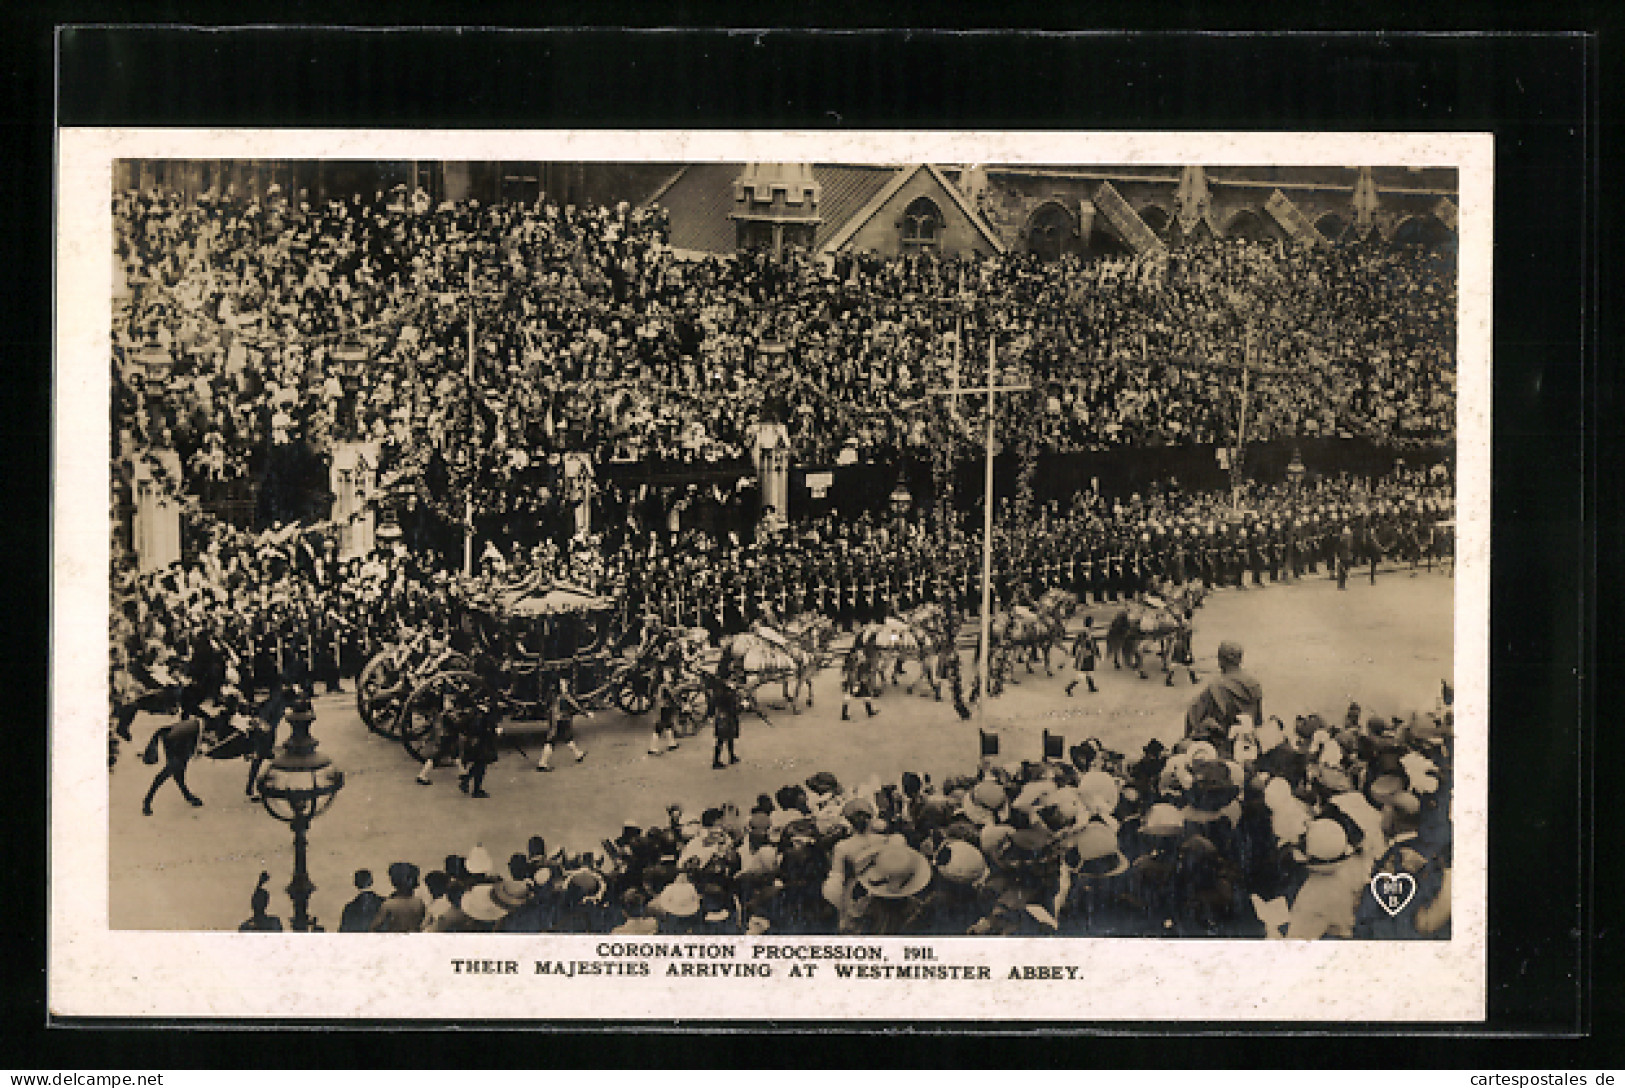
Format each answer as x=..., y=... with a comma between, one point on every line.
x=299, y=786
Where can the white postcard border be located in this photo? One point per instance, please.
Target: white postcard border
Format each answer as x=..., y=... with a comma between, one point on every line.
x=94, y=971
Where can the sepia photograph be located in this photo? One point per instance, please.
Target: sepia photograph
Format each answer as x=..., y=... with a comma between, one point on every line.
x=659, y=566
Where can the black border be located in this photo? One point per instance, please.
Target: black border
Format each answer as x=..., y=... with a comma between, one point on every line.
x=1539, y=95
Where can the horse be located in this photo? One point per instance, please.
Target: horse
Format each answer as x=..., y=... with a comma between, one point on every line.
x=753, y=659
x=1170, y=629
x=933, y=643
x=1032, y=632
x=889, y=643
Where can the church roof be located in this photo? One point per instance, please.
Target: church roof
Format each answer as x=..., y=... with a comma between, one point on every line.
x=901, y=177
x=699, y=201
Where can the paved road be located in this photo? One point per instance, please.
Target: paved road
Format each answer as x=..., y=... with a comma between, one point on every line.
x=1313, y=648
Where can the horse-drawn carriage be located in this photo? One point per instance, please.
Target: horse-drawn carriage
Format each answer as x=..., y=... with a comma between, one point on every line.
x=530, y=646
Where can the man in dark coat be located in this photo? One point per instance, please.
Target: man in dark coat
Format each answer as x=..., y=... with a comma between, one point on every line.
x=1228, y=696
x=360, y=911
x=725, y=711
x=479, y=731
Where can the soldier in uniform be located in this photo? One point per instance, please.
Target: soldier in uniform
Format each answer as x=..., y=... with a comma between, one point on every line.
x=479, y=729
x=1345, y=555
x=849, y=594
x=561, y=708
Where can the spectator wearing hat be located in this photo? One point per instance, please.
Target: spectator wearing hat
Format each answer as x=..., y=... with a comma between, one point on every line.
x=259, y=903
x=886, y=896
x=1091, y=884
x=1152, y=886
x=678, y=908
x=1334, y=878
x=451, y=917
x=403, y=911
x=1427, y=914
x=1227, y=697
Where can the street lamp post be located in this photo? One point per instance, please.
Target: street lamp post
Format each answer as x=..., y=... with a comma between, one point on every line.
x=299, y=787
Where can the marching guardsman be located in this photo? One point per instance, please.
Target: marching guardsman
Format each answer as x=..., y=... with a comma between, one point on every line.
x=455, y=719
x=561, y=708
x=741, y=602
x=668, y=667
x=780, y=596
x=1345, y=555
x=758, y=594
x=820, y=592
x=479, y=730
x=849, y=595
x=715, y=611
x=869, y=601
x=1178, y=557
x=1294, y=548
x=726, y=703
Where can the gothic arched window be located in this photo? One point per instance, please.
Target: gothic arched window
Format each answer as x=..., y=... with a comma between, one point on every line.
x=922, y=224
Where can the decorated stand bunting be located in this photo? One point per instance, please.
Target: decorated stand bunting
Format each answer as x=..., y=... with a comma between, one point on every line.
x=157, y=511
x=1126, y=221
x=353, y=479
x=1292, y=220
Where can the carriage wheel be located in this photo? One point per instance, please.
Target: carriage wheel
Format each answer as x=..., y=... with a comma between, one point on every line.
x=693, y=707
x=374, y=711
x=422, y=720
x=636, y=696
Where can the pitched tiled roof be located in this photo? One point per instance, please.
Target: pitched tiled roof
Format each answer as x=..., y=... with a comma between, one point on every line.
x=701, y=199
x=847, y=190
x=698, y=203
x=843, y=233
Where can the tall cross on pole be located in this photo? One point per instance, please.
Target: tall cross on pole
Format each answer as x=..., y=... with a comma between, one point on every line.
x=468, y=499
x=992, y=389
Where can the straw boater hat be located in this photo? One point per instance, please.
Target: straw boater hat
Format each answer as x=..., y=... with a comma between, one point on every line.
x=493, y=902
x=961, y=863
x=896, y=871
x=679, y=899
x=479, y=861
x=986, y=802
x=1325, y=843
x=1163, y=821
x=1098, y=793
x=1092, y=851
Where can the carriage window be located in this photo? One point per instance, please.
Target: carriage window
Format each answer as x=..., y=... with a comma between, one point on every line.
x=922, y=224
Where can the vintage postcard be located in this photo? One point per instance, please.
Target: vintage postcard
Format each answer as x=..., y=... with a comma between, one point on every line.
x=684, y=576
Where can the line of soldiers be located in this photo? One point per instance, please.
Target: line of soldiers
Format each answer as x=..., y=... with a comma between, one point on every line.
x=863, y=581
x=271, y=622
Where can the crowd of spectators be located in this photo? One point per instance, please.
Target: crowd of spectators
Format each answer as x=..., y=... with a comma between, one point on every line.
x=234, y=332
x=1268, y=830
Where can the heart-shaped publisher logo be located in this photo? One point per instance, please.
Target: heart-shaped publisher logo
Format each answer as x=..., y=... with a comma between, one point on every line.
x=1392, y=891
